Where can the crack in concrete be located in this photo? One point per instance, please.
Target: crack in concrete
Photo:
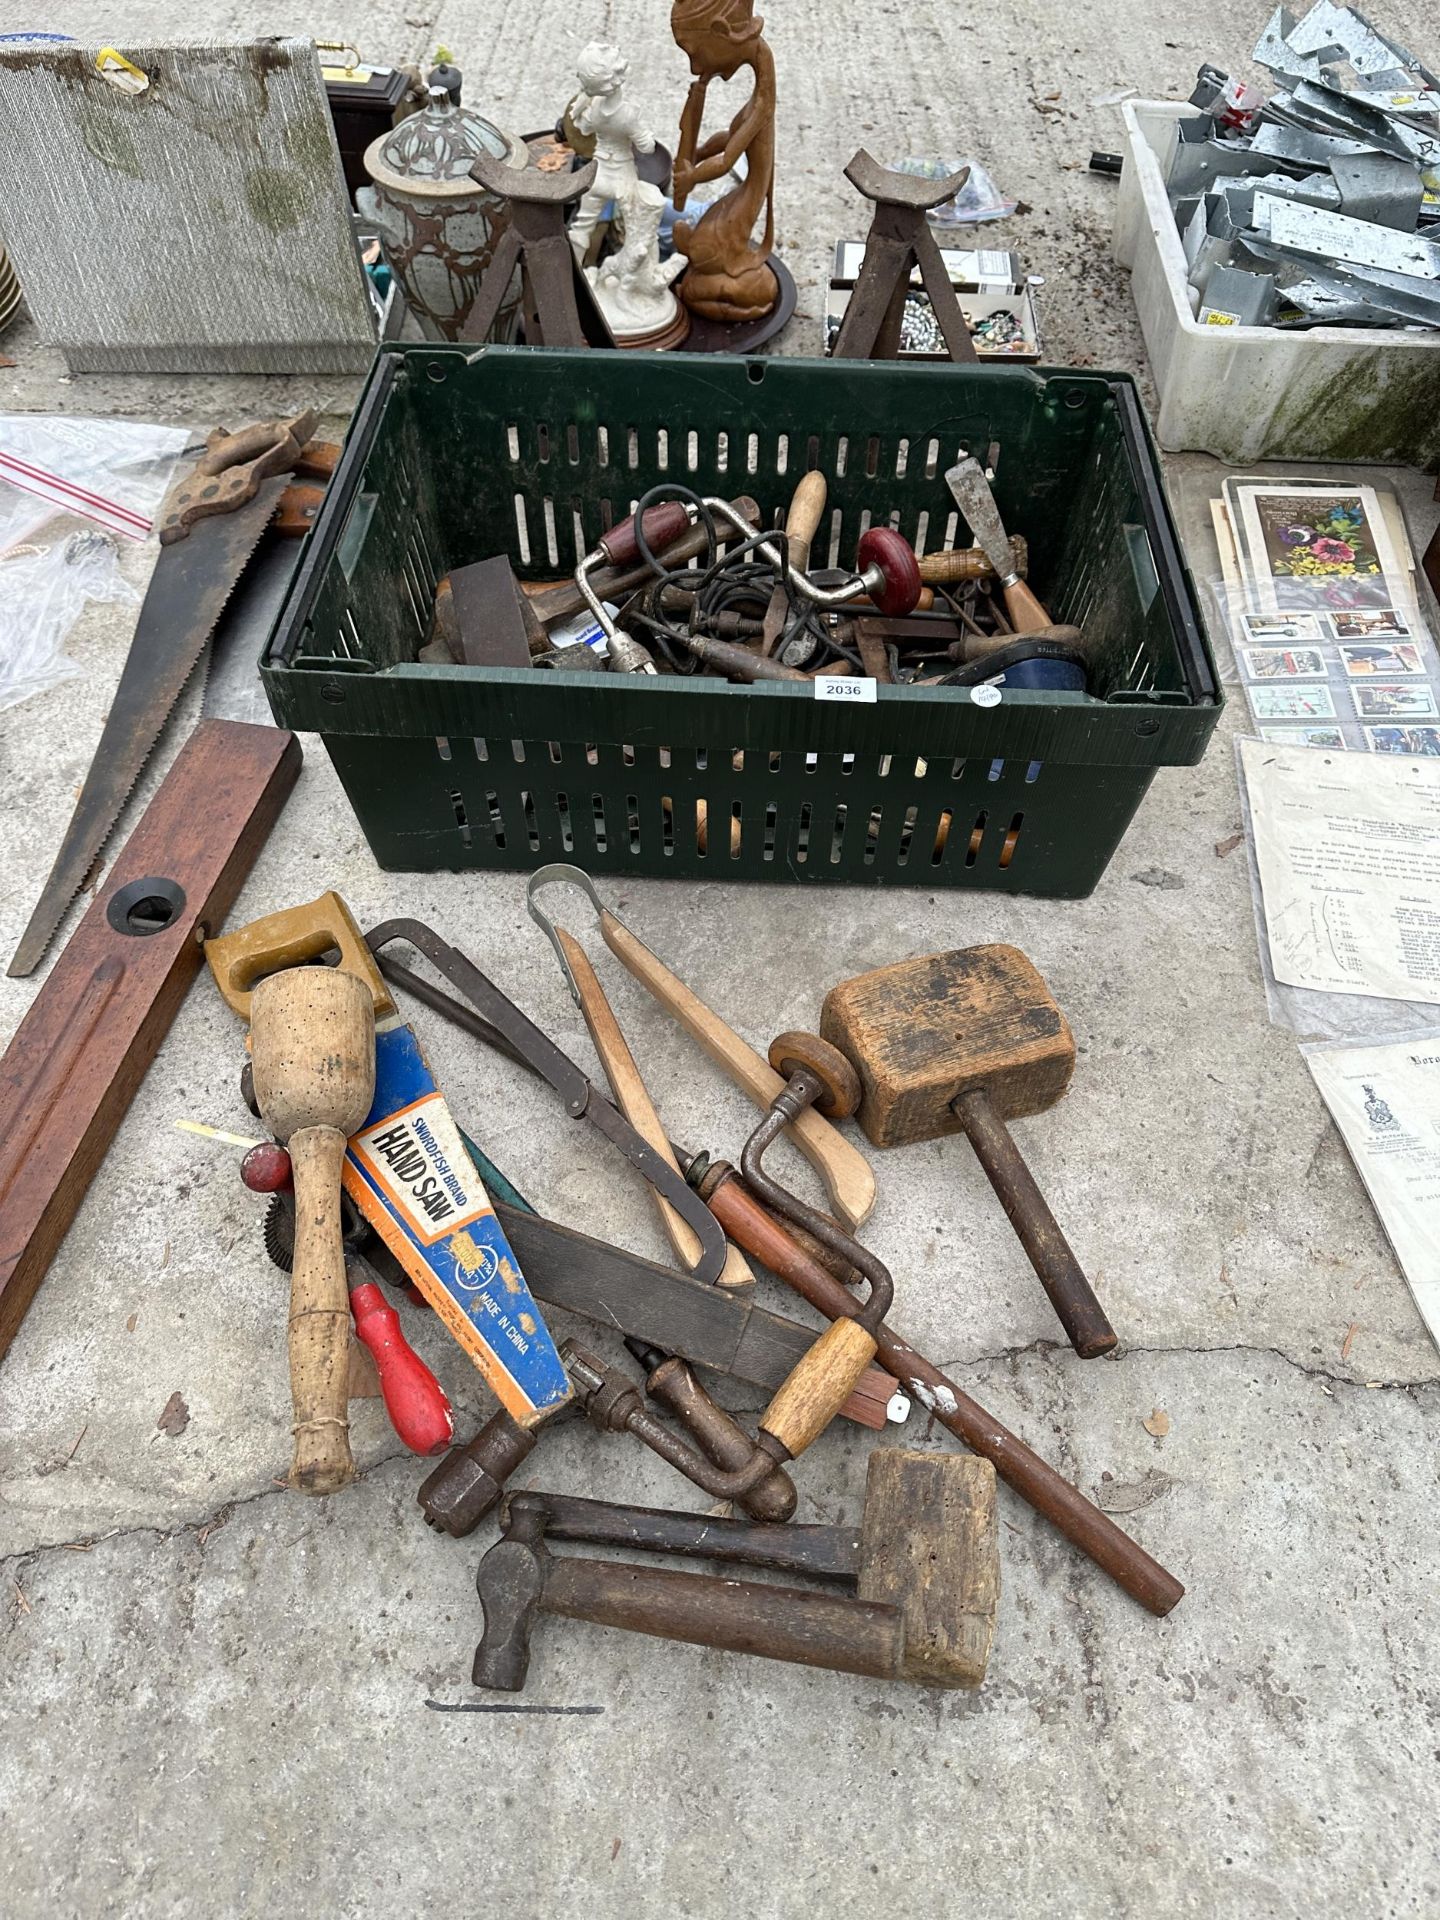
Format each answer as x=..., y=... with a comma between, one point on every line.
x=216, y=1518
x=1048, y=1349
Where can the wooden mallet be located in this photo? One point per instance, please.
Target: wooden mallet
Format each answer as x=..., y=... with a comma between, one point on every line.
x=312, y=1036
x=961, y=1042
x=913, y=1585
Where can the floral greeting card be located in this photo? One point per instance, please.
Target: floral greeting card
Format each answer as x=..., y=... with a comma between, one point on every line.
x=1315, y=549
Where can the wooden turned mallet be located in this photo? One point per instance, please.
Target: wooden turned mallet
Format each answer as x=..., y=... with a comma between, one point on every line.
x=312, y=1037
x=961, y=1042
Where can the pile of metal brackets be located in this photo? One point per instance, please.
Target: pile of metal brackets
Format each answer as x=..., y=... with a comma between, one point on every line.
x=1320, y=205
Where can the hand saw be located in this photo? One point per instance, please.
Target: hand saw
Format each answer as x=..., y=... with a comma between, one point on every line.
x=580, y=1098
x=209, y=524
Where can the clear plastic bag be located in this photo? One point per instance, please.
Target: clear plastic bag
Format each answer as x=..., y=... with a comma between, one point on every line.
x=70, y=491
x=979, y=199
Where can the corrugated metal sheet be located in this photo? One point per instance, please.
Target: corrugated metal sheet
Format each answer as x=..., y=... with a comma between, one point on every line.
x=201, y=226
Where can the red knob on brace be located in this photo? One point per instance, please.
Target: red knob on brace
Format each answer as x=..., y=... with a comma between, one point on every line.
x=662, y=525
x=898, y=589
x=266, y=1168
x=414, y=1398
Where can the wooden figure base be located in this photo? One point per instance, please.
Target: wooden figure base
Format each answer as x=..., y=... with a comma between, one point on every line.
x=744, y=336
x=661, y=339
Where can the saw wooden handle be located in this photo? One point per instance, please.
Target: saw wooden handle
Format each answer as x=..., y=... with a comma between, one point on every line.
x=848, y=1176
x=319, y=1324
x=635, y=1103
x=230, y=470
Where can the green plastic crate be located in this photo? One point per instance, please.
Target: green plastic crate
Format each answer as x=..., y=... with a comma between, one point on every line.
x=455, y=455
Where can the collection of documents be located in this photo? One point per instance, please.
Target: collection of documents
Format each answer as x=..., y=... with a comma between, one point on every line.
x=1347, y=852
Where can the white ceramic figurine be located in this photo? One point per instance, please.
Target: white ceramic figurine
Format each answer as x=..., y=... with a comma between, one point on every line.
x=602, y=110
x=631, y=286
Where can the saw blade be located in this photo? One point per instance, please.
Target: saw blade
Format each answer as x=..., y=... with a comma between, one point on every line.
x=233, y=687
x=192, y=580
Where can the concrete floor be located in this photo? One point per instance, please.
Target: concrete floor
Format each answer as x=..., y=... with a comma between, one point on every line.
x=219, y=1699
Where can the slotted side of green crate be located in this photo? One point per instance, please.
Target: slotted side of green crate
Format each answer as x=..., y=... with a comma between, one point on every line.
x=454, y=457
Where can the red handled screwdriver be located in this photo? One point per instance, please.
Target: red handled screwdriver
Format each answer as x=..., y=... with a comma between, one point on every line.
x=414, y=1399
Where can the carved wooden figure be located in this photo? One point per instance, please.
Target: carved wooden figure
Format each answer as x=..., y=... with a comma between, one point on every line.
x=728, y=278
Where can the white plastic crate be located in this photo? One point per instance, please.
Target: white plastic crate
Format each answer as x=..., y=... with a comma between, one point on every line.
x=1253, y=393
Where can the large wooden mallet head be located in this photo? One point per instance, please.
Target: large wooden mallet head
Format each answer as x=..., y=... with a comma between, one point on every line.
x=962, y=1042
x=924, y=1031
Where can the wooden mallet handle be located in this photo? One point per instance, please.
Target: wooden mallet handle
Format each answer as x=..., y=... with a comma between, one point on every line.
x=1060, y=1273
x=769, y=1241
x=319, y=1325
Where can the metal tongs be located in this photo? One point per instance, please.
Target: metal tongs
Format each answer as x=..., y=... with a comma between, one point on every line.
x=524, y=1042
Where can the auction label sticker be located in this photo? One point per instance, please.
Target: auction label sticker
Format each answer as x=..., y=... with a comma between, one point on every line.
x=985, y=696
x=855, y=693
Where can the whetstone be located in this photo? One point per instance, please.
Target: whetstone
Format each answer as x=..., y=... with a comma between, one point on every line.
x=70, y=1072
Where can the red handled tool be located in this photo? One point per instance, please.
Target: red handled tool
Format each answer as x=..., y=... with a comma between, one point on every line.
x=414, y=1399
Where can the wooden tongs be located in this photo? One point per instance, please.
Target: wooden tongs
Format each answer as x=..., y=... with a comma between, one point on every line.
x=847, y=1175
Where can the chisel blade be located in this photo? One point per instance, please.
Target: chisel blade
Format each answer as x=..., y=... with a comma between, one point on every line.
x=192, y=580
x=971, y=493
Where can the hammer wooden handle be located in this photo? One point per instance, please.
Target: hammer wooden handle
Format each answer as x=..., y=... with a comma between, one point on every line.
x=741, y=1616
x=1060, y=1273
x=848, y=1176
x=319, y=1326
x=1095, y=1533
x=635, y=1103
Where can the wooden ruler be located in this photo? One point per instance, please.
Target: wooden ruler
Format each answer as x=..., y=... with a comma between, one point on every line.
x=71, y=1071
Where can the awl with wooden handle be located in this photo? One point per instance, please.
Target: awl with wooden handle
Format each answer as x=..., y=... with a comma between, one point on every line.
x=971, y=493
